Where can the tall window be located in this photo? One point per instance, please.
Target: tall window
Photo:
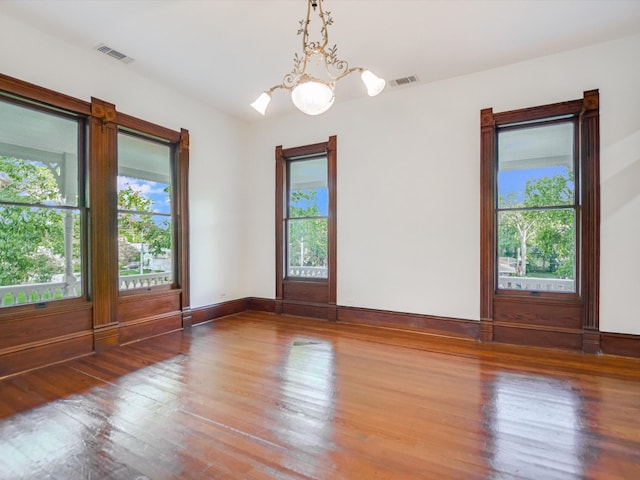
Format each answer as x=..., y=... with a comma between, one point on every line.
x=42, y=207
x=306, y=230
x=540, y=225
x=145, y=225
x=537, y=206
x=307, y=217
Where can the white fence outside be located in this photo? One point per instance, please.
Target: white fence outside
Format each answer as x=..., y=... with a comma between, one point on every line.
x=43, y=292
x=537, y=284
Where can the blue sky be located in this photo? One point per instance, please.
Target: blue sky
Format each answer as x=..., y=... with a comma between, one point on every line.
x=514, y=181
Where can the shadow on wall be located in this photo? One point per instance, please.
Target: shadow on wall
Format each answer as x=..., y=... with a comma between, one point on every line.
x=624, y=186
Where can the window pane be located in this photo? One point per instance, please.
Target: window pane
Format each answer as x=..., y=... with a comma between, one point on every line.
x=145, y=234
x=144, y=250
x=40, y=246
x=537, y=250
x=40, y=258
x=144, y=175
x=307, y=240
x=308, y=188
x=535, y=166
x=38, y=157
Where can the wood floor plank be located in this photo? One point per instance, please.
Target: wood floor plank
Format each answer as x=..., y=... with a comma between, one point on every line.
x=261, y=396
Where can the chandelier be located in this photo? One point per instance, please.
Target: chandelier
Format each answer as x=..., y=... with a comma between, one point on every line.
x=313, y=95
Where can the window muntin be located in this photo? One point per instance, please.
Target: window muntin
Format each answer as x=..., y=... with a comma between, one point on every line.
x=145, y=221
x=307, y=218
x=41, y=206
x=536, y=207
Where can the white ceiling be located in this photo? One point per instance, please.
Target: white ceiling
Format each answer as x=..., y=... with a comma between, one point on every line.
x=225, y=52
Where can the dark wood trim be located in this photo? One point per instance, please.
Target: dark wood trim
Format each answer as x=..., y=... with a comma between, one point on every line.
x=577, y=315
x=486, y=330
x=487, y=218
x=142, y=126
x=316, y=298
x=590, y=167
x=143, y=328
x=620, y=344
x=182, y=224
x=537, y=113
x=103, y=228
x=219, y=310
x=262, y=304
x=280, y=202
x=332, y=277
x=591, y=341
x=304, y=150
x=104, y=316
x=450, y=327
x=106, y=337
x=13, y=86
x=318, y=311
x=36, y=355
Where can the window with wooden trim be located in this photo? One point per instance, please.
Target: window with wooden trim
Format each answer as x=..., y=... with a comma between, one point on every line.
x=306, y=229
x=42, y=203
x=540, y=225
x=307, y=217
x=145, y=213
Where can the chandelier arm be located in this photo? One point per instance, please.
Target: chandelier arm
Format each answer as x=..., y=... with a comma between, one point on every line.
x=280, y=86
x=346, y=73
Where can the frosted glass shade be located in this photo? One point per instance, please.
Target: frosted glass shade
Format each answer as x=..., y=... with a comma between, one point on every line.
x=261, y=103
x=312, y=98
x=373, y=83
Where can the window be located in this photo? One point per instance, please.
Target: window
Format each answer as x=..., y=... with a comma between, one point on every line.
x=306, y=230
x=145, y=225
x=307, y=217
x=42, y=207
x=540, y=225
x=537, y=206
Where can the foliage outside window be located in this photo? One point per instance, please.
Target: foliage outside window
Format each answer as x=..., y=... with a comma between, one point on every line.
x=41, y=209
x=145, y=226
x=536, y=211
x=307, y=218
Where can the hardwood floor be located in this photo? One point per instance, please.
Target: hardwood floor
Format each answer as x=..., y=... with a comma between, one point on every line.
x=260, y=396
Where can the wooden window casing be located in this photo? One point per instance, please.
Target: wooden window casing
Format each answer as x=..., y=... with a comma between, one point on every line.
x=38, y=334
x=538, y=318
x=304, y=296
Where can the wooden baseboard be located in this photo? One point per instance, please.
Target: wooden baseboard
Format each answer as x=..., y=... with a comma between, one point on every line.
x=212, y=312
x=537, y=336
x=38, y=354
x=450, y=327
x=625, y=345
x=106, y=337
x=135, y=330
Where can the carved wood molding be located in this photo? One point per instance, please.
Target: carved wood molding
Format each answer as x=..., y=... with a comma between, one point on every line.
x=103, y=111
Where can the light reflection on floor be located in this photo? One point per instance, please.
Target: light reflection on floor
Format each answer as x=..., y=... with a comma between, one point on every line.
x=527, y=416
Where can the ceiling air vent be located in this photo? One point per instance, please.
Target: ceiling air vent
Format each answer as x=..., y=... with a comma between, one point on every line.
x=113, y=53
x=399, y=82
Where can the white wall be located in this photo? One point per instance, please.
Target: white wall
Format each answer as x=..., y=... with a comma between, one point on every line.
x=408, y=183
x=217, y=205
